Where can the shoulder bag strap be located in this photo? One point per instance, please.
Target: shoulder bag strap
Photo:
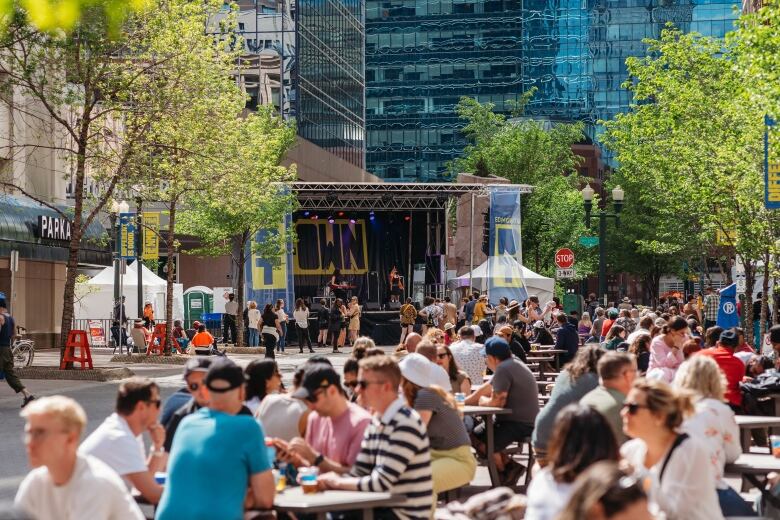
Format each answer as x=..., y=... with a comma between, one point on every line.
x=679, y=440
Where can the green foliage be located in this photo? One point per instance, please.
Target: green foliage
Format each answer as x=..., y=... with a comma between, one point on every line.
x=65, y=15
x=530, y=152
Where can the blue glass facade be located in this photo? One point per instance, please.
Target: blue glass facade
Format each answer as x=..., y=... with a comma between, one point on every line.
x=423, y=55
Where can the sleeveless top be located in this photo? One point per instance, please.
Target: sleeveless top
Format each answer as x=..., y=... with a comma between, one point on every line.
x=7, y=330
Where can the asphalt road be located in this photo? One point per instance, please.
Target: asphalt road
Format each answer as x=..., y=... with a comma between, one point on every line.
x=98, y=402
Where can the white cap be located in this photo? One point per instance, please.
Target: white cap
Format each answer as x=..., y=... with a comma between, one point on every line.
x=416, y=368
x=477, y=330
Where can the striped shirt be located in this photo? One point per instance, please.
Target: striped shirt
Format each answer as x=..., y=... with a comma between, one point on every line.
x=395, y=457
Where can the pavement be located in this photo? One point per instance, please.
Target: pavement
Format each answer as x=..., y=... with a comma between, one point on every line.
x=98, y=399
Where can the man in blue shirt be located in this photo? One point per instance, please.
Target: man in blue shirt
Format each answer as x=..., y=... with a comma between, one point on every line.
x=468, y=309
x=217, y=455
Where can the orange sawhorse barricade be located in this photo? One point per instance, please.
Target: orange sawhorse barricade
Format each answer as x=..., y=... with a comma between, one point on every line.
x=158, y=334
x=77, y=339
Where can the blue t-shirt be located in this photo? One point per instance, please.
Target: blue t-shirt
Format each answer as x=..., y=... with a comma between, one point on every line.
x=212, y=458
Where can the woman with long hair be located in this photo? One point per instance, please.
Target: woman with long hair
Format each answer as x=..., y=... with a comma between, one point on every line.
x=361, y=345
x=681, y=480
x=584, y=325
x=279, y=309
x=271, y=329
x=262, y=378
x=666, y=350
x=335, y=318
x=452, y=463
x=615, y=336
x=576, y=379
x=458, y=378
x=640, y=348
x=582, y=436
x=301, y=316
x=606, y=492
x=354, y=320
x=713, y=422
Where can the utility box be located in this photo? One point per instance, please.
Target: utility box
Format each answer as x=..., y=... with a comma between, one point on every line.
x=573, y=302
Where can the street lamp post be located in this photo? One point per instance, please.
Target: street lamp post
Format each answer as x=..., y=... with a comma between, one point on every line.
x=116, y=210
x=603, y=215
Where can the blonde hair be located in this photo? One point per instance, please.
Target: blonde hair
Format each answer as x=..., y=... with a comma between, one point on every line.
x=434, y=335
x=701, y=375
x=674, y=405
x=252, y=304
x=69, y=412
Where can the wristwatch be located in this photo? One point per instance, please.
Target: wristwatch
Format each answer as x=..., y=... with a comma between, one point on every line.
x=318, y=459
x=157, y=452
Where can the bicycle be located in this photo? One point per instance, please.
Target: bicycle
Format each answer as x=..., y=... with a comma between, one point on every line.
x=22, y=350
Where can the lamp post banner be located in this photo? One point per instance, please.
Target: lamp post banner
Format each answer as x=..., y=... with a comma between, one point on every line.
x=727, y=311
x=269, y=279
x=504, y=268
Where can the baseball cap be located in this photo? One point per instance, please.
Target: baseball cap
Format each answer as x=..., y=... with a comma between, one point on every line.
x=496, y=346
x=613, y=313
x=538, y=324
x=729, y=337
x=197, y=364
x=774, y=334
x=224, y=375
x=477, y=330
x=319, y=375
x=416, y=368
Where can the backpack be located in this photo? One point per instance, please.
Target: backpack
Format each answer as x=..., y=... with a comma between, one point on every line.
x=763, y=384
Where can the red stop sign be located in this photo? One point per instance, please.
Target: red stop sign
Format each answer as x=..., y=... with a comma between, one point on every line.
x=564, y=258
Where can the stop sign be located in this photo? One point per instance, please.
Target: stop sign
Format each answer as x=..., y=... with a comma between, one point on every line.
x=564, y=258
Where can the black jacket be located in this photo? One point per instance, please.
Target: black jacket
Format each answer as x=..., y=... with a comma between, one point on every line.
x=567, y=340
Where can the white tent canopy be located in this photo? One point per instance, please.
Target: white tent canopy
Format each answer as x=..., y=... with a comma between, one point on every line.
x=96, y=296
x=535, y=283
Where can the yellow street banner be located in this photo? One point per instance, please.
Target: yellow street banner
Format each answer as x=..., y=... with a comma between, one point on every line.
x=151, y=238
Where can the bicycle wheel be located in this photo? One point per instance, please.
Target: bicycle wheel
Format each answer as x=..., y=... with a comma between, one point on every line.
x=23, y=353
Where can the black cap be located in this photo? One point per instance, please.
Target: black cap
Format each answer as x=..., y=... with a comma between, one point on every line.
x=197, y=364
x=729, y=338
x=317, y=376
x=774, y=334
x=224, y=375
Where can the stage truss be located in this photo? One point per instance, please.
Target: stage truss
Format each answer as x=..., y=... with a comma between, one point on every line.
x=370, y=196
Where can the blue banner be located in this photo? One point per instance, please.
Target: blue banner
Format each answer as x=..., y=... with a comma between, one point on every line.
x=727, y=311
x=504, y=266
x=127, y=236
x=270, y=279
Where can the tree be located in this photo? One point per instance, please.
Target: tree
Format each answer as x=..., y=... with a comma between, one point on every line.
x=250, y=195
x=86, y=93
x=532, y=152
x=64, y=15
x=690, y=149
x=198, y=104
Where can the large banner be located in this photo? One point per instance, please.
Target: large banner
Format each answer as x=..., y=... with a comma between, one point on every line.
x=505, y=272
x=727, y=310
x=270, y=279
x=324, y=246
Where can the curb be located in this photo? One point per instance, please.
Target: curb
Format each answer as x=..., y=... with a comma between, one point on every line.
x=154, y=359
x=244, y=350
x=96, y=374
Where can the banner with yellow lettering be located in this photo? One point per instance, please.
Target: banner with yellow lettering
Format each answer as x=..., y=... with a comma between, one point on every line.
x=504, y=268
x=151, y=238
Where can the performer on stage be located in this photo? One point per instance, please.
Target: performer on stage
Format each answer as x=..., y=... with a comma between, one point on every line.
x=337, y=285
x=396, y=285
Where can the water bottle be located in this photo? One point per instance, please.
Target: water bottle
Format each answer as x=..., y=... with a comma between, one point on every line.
x=460, y=400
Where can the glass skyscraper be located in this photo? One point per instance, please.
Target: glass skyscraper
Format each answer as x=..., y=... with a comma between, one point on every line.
x=423, y=55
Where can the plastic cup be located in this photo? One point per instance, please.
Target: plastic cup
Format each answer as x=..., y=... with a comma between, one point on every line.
x=160, y=477
x=774, y=441
x=308, y=479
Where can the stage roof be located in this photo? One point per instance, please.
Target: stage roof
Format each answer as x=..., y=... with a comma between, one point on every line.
x=387, y=196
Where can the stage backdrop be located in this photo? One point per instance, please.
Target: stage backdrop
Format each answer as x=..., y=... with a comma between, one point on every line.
x=270, y=279
x=505, y=276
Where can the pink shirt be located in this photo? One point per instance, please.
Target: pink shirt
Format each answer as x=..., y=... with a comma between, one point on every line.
x=338, y=438
x=664, y=360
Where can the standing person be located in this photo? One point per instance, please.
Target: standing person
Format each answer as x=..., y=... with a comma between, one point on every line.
x=625, y=304
x=218, y=455
x=354, y=320
x=431, y=313
x=593, y=303
x=617, y=371
x=253, y=322
x=468, y=308
x=396, y=285
x=395, y=455
x=301, y=316
x=229, y=332
x=682, y=483
x=337, y=285
x=342, y=339
x=690, y=308
x=118, y=441
x=626, y=321
x=450, y=311
x=279, y=310
x=271, y=330
x=407, y=317
x=63, y=483
x=7, y=333
x=148, y=315
x=711, y=305
x=323, y=317
x=334, y=324
x=666, y=350
x=481, y=309
x=120, y=313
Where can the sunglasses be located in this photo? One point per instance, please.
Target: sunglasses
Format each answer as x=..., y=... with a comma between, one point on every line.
x=363, y=384
x=351, y=384
x=633, y=408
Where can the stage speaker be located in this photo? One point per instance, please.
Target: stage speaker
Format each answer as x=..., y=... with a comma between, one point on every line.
x=371, y=306
x=394, y=306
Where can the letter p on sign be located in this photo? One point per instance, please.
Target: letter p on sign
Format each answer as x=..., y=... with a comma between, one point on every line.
x=564, y=258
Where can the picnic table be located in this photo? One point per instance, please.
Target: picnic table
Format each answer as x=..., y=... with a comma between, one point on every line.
x=294, y=500
x=752, y=466
x=747, y=423
x=488, y=412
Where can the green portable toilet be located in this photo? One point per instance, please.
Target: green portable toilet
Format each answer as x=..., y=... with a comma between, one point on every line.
x=573, y=302
x=198, y=301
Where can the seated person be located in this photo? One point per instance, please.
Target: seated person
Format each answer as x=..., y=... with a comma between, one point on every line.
x=514, y=387
x=140, y=334
x=203, y=338
x=180, y=336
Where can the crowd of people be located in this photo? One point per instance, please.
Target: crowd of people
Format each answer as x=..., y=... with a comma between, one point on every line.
x=639, y=424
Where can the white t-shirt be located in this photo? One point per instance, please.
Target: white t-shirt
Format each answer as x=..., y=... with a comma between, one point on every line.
x=714, y=423
x=253, y=316
x=301, y=317
x=546, y=497
x=688, y=489
x=93, y=492
x=114, y=443
x=280, y=414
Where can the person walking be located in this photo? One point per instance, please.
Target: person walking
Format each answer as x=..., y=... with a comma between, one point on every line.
x=7, y=333
x=301, y=316
x=253, y=321
x=271, y=330
x=323, y=318
x=354, y=320
x=407, y=315
x=229, y=332
x=711, y=305
x=279, y=309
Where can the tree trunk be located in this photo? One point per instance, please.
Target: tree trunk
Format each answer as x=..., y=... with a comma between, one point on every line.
x=747, y=308
x=170, y=278
x=240, y=287
x=763, y=325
